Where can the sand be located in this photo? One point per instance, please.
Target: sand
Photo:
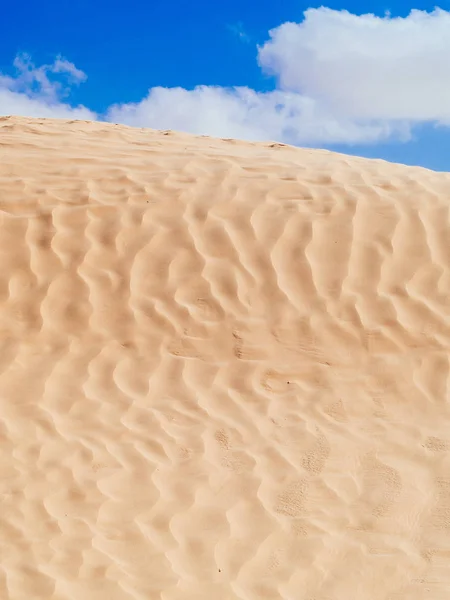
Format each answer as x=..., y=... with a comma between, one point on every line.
x=224, y=370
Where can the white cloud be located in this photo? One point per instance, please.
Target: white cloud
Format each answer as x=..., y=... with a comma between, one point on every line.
x=38, y=91
x=366, y=67
x=245, y=114
x=340, y=78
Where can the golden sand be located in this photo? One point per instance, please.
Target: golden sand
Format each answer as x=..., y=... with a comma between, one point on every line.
x=224, y=370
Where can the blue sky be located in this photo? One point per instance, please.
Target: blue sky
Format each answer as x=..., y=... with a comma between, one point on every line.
x=343, y=81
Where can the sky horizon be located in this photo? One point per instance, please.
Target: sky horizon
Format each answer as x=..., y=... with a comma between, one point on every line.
x=369, y=80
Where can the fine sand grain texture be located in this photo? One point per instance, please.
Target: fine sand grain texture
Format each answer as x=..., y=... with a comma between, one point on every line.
x=224, y=370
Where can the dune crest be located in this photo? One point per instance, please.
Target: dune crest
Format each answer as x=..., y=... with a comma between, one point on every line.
x=224, y=370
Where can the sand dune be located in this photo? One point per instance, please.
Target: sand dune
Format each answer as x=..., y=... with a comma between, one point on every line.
x=224, y=370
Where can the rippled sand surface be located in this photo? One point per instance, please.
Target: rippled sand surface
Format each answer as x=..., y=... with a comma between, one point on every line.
x=224, y=370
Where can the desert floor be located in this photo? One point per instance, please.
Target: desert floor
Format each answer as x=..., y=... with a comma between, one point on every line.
x=224, y=370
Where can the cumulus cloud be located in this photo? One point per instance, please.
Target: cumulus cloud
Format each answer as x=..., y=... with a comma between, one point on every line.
x=366, y=67
x=339, y=78
x=39, y=91
x=245, y=114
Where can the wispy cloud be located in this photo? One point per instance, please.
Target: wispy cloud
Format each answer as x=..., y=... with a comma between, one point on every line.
x=38, y=91
x=340, y=78
x=237, y=29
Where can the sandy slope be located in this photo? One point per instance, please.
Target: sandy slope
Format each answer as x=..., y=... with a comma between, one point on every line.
x=224, y=370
